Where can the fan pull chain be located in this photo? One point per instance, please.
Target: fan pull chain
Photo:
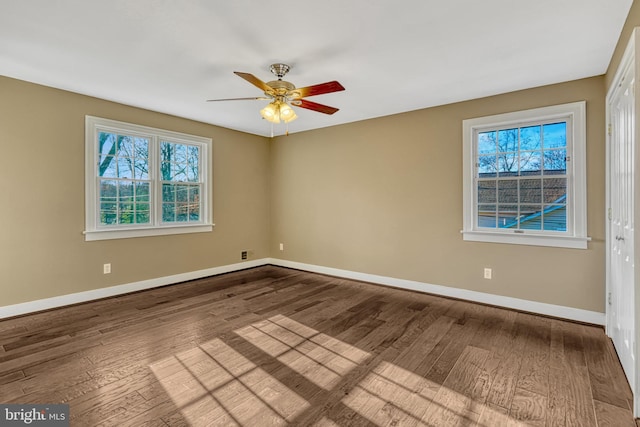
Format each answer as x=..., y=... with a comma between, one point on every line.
x=271, y=130
x=287, y=131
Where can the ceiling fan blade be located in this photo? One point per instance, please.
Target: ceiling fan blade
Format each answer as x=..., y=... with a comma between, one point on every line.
x=258, y=98
x=303, y=103
x=319, y=89
x=254, y=81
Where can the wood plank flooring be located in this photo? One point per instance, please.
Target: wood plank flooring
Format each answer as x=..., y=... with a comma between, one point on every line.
x=274, y=346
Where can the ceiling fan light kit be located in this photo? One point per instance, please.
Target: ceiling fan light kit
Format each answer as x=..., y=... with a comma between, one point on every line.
x=284, y=94
x=277, y=111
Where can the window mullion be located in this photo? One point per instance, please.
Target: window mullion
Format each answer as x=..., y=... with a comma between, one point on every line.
x=154, y=171
x=518, y=154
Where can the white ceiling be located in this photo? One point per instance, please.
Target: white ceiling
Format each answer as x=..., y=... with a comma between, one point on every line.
x=391, y=56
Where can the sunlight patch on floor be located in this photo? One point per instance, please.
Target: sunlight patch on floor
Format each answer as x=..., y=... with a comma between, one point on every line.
x=313, y=355
x=391, y=395
x=214, y=384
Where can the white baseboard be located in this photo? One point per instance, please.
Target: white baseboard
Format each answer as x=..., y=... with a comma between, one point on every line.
x=497, y=300
x=559, y=311
x=49, y=303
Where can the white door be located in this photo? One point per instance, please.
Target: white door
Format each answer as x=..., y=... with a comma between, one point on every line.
x=621, y=309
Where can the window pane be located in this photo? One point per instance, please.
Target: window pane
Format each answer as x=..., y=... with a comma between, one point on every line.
x=141, y=163
x=555, y=162
x=108, y=190
x=194, y=212
x=126, y=205
x=530, y=190
x=530, y=217
x=487, y=191
x=507, y=216
x=125, y=167
x=125, y=146
x=165, y=171
x=180, y=153
x=193, y=174
x=194, y=203
x=555, y=190
x=555, y=135
x=108, y=206
x=108, y=167
x=167, y=152
x=142, y=192
x=179, y=172
x=508, y=164
x=106, y=151
x=142, y=147
x=194, y=194
x=106, y=145
x=142, y=217
x=193, y=171
x=182, y=212
x=166, y=155
x=530, y=138
x=508, y=191
x=487, y=166
x=555, y=218
x=141, y=168
x=108, y=213
x=126, y=217
x=125, y=191
x=109, y=216
x=487, y=142
x=530, y=163
x=142, y=206
x=508, y=140
x=168, y=212
x=168, y=193
x=182, y=193
x=487, y=216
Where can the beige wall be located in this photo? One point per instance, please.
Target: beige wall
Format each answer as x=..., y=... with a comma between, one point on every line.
x=384, y=197
x=42, y=249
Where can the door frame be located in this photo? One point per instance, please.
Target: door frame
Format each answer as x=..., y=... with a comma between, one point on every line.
x=631, y=53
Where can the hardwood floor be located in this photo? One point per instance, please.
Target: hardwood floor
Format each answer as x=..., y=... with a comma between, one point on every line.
x=273, y=346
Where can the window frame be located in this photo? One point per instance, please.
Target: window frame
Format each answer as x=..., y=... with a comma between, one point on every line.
x=576, y=234
x=96, y=231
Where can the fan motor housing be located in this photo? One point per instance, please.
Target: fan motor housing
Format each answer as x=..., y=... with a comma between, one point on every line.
x=281, y=87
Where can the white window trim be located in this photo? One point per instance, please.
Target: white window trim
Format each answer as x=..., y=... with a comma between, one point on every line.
x=93, y=230
x=576, y=236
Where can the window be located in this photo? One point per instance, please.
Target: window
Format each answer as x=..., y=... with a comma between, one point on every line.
x=142, y=181
x=524, y=177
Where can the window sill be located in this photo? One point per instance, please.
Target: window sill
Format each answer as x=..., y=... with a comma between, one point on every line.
x=145, y=232
x=527, y=239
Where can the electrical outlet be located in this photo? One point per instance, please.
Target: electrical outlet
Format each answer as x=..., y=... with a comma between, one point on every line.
x=282, y=246
x=106, y=269
x=488, y=273
x=243, y=255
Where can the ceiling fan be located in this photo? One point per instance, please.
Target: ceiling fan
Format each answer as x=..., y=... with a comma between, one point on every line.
x=283, y=94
